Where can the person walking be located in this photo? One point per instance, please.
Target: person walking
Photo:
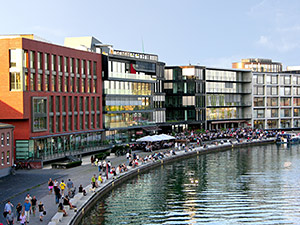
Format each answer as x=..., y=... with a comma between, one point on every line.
x=70, y=186
x=8, y=207
x=50, y=186
x=93, y=181
x=99, y=166
x=27, y=208
x=62, y=186
x=10, y=218
x=19, y=210
x=41, y=210
x=22, y=218
x=57, y=194
x=33, y=205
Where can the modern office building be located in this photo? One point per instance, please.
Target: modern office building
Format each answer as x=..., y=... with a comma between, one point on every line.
x=185, y=98
x=133, y=100
x=6, y=148
x=228, y=98
x=258, y=65
x=52, y=95
x=276, y=100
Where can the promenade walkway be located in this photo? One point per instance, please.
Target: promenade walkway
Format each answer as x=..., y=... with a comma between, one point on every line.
x=34, y=182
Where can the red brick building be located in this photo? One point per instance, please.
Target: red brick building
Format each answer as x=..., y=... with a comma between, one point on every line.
x=6, y=148
x=52, y=95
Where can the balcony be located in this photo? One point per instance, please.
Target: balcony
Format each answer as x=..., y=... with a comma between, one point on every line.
x=131, y=76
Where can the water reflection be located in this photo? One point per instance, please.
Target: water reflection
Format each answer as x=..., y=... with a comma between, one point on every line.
x=245, y=186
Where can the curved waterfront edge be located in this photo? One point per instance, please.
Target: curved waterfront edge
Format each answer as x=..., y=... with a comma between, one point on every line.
x=75, y=218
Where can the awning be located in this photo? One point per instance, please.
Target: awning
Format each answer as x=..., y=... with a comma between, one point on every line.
x=161, y=137
x=228, y=121
x=155, y=128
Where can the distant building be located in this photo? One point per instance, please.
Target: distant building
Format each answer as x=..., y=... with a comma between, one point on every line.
x=6, y=148
x=52, y=95
x=258, y=65
x=276, y=100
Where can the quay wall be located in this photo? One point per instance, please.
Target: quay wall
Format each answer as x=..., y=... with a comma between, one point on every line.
x=100, y=192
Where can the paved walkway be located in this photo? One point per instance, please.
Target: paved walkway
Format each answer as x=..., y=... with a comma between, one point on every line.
x=34, y=182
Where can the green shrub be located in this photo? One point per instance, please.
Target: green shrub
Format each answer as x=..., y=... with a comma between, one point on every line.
x=73, y=164
x=102, y=155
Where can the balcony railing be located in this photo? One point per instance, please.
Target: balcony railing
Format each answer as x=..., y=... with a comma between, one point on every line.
x=131, y=76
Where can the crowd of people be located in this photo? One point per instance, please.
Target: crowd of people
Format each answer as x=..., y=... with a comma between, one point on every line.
x=64, y=191
x=23, y=211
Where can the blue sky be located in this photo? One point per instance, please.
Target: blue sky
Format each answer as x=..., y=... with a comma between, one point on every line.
x=212, y=32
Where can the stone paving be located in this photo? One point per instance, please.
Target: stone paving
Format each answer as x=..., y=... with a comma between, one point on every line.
x=34, y=182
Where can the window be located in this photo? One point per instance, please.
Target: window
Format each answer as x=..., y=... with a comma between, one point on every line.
x=260, y=79
x=7, y=157
x=94, y=68
x=57, y=103
x=32, y=60
x=258, y=90
x=40, y=82
x=39, y=120
x=70, y=104
x=51, y=124
x=2, y=158
x=53, y=83
x=26, y=82
x=285, y=112
x=40, y=60
x=297, y=112
x=47, y=61
x=60, y=62
x=258, y=113
x=63, y=104
x=274, y=80
x=75, y=104
x=70, y=123
x=15, y=56
x=272, y=101
x=274, y=112
x=296, y=101
x=66, y=64
x=15, y=82
x=7, y=138
x=259, y=101
x=285, y=101
x=2, y=139
x=287, y=80
x=53, y=64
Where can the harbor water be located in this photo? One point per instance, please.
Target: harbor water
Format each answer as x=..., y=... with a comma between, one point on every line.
x=252, y=185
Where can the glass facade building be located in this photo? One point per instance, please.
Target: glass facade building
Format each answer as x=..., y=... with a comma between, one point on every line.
x=132, y=95
x=185, y=97
x=228, y=98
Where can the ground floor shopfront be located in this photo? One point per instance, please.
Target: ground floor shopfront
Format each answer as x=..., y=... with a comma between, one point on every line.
x=56, y=146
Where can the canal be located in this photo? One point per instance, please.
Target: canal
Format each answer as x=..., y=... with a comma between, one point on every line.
x=252, y=185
